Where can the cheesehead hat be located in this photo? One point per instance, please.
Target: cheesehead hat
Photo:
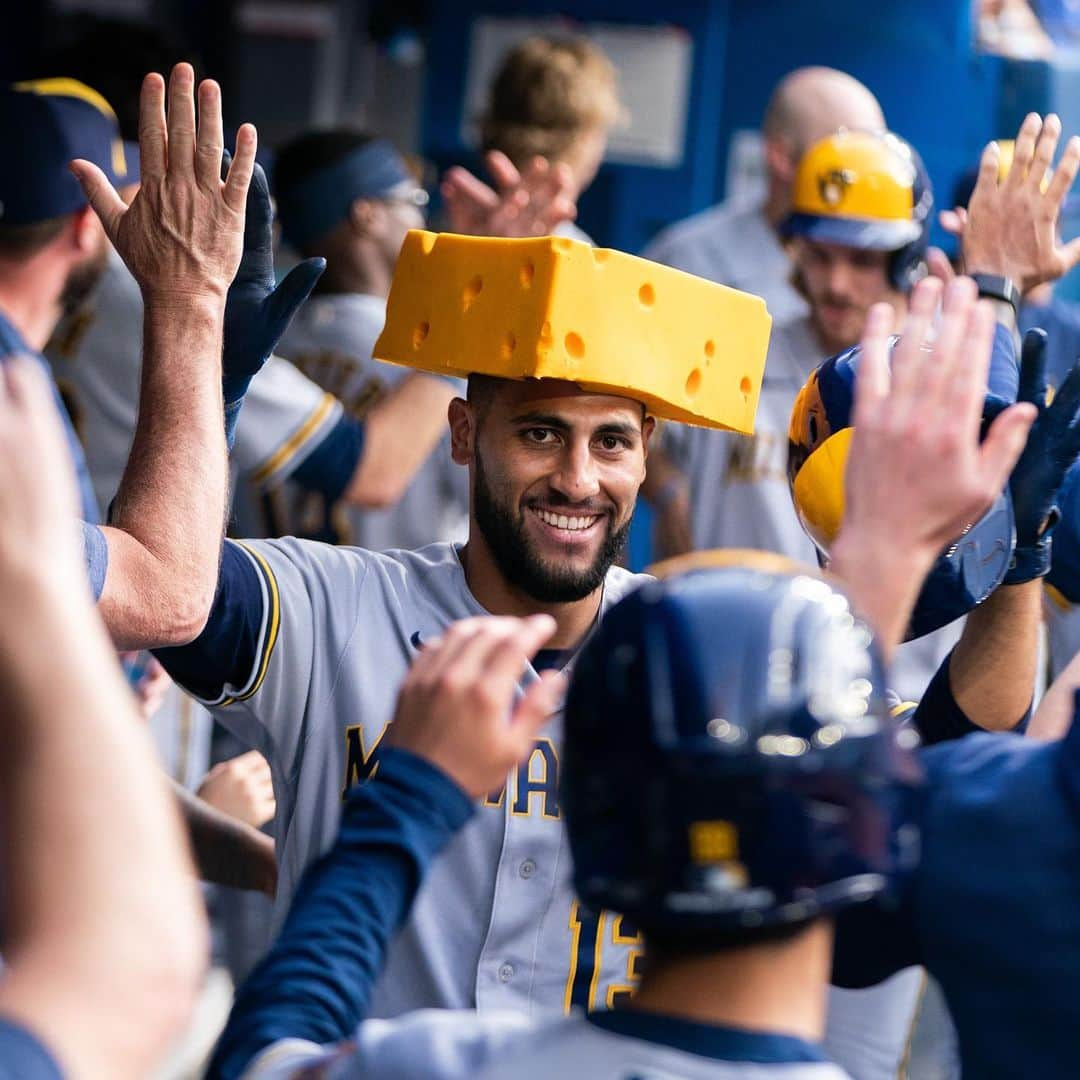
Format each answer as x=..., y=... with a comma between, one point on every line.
x=554, y=308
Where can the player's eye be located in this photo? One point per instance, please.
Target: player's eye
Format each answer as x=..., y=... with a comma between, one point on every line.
x=612, y=443
x=540, y=436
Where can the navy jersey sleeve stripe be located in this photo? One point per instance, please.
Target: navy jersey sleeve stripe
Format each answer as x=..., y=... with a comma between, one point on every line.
x=316, y=981
x=329, y=468
x=235, y=646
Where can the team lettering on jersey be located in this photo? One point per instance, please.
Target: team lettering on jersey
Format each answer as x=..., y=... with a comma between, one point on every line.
x=533, y=788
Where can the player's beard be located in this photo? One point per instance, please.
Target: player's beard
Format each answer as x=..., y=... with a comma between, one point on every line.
x=504, y=531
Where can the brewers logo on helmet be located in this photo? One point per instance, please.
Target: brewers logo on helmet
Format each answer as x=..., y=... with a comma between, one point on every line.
x=727, y=790
x=819, y=438
x=866, y=191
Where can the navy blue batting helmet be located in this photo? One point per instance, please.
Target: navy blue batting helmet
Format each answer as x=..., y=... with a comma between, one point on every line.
x=971, y=567
x=730, y=762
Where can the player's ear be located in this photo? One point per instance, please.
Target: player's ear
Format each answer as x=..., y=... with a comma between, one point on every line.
x=780, y=159
x=648, y=427
x=363, y=214
x=462, y=417
x=87, y=230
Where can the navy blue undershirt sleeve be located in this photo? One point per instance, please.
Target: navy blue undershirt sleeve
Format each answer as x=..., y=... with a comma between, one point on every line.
x=938, y=718
x=316, y=981
x=873, y=940
x=24, y=1057
x=328, y=469
x=224, y=653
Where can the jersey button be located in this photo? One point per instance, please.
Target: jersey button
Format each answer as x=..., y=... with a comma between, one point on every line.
x=527, y=869
x=506, y=972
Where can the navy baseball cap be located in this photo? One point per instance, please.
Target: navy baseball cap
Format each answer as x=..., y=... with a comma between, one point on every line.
x=53, y=121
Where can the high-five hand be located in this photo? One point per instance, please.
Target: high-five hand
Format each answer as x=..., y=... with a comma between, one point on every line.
x=183, y=234
x=1010, y=227
x=456, y=706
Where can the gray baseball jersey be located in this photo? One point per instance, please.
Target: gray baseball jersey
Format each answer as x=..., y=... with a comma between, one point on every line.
x=285, y=417
x=441, y=1045
x=495, y=924
x=331, y=340
x=732, y=244
x=739, y=493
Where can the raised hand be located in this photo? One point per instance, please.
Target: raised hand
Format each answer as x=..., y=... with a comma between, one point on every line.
x=456, y=706
x=1010, y=227
x=182, y=236
x=917, y=474
x=527, y=203
x=257, y=310
x=916, y=468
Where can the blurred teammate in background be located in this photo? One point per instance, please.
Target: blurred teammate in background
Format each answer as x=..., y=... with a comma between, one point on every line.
x=351, y=198
x=543, y=134
x=738, y=243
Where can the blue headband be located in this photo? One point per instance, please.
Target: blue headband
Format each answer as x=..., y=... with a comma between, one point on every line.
x=316, y=204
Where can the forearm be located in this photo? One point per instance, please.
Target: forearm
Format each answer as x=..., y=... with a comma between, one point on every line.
x=227, y=851
x=317, y=979
x=400, y=434
x=883, y=580
x=993, y=667
x=171, y=502
x=103, y=945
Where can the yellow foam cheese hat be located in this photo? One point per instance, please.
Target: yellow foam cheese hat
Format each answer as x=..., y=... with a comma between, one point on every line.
x=555, y=308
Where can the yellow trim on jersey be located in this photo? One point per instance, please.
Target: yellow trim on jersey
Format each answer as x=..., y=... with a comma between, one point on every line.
x=64, y=87
x=274, y=624
x=1056, y=596
x=902, y=707
x=292, y=446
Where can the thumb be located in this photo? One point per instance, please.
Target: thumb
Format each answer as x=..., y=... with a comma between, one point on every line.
x=101, y=195
x=294, y=290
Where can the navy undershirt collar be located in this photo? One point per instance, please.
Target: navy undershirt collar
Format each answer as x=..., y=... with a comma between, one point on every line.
x=554, y=659
x=707, y=1040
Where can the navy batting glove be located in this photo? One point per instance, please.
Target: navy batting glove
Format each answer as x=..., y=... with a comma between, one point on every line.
x=1052, y=447
x=257, y=311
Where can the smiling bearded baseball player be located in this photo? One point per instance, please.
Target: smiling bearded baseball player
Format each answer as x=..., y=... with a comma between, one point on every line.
x=307, y=644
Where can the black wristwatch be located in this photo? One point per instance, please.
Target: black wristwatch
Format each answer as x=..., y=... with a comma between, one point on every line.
x=994, y=287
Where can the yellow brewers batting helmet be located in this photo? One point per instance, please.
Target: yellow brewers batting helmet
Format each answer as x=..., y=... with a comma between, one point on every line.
x=868, y=191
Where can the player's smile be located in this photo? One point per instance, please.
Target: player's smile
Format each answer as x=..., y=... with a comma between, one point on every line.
x=569, y=527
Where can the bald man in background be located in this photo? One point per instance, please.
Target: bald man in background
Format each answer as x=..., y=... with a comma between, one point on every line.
x=737, y=243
